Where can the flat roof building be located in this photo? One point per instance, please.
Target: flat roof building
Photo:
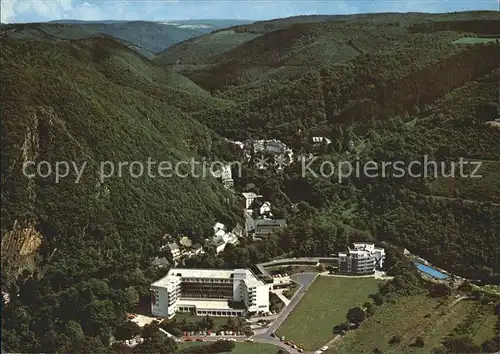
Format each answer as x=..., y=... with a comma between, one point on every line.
x=265, y=227
x=365, y=258
x=215, y=292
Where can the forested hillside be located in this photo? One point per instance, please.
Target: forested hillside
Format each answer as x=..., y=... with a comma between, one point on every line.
x=71, y=102
x=76, y=257
x=145, y=37
x=398, y=87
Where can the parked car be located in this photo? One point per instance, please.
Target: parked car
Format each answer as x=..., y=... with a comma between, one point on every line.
x=199, y=339
x=249, y=340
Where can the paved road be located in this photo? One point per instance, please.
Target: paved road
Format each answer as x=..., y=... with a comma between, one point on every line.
x=291, y=261
x=282, y=297
x=305, y=280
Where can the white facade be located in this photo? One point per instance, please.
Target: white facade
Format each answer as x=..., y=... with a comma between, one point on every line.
x=175, y=251
x=221, y=238
x=321, y=139
x=265, y=208
x=249, y=198
x=281, y=281
x=208, y=292
x=365, y=258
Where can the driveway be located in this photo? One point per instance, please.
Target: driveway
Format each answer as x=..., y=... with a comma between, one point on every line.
x=264, y=335
x=304, y=280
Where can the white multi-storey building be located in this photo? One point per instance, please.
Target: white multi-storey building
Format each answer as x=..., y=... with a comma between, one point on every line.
x=209, y=292
x=365, y=258
x=249, y=198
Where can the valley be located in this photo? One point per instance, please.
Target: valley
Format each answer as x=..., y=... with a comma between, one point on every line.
x=80, y=255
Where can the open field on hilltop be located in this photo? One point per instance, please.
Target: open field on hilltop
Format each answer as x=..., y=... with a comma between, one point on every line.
x=325, y=305
x=239, y=348
x=475, y=40
x=418, y=316
x=486, y=188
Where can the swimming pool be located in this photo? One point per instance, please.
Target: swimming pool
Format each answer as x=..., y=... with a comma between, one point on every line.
x=430, y=271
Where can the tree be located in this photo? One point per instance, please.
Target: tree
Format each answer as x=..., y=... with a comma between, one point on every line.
x=222, y=346
x=466, y=286
x=497, y=309
x=149, y=330
x=74, y=331
x=477, y=294
x=158, y=343
x=440, y=290
x=419, y=342
x=356, y=315
x=127, y=330
x=370, y=309
x=415, y=110
x=378, y=299
x=461, y=345
x=487, y=112
x=340, y=328
x=491, y=345
x=230, y=323
x=439, y=350
x=395, y=340
x=131, y=297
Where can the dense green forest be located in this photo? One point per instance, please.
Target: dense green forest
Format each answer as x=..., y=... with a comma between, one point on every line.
x=76, y=257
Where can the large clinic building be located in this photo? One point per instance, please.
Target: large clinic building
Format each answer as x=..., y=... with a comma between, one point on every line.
x=365, y=258
x=215, y=292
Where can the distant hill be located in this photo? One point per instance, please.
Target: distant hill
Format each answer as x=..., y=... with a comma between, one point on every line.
x=382, y=88
x=301, y=29
x=144, y=37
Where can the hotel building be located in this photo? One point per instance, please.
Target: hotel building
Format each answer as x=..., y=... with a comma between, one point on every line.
x=209, y=292
x=365, y=258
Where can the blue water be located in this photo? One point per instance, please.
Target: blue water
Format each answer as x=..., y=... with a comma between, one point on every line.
x=430, y=271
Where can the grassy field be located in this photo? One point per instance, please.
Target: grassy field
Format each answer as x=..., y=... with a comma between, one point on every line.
x=475, y=40
x=240, y=348
x=485, y=328
x=418, y=316
x=325, y=305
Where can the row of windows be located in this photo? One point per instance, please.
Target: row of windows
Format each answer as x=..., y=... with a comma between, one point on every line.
x=207, y=280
